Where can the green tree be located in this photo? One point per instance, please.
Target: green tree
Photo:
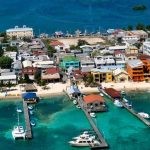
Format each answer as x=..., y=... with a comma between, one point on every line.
x=12, y=49
x=37, y=76
x=42, y=83
x=140, y=26
x=51, y=51
x=14, y=38
x=26, y=79
x=5, y=62
x=3, y=34
x=1, y=51
x=82, y=42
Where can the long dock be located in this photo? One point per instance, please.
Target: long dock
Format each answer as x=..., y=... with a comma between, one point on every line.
x=131, y=110
x=102, y=141
x=28, y=131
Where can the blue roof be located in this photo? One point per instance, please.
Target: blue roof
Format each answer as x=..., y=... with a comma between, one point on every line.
x=29, y=95
x=73, y=89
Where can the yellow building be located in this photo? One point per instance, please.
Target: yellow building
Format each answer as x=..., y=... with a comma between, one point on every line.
x=132, y=50
x=101, y=75
x=20, y=32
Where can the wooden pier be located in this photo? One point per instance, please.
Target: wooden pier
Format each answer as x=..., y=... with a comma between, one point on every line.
x=131, y=110
x=102, y=141
x=28, y=131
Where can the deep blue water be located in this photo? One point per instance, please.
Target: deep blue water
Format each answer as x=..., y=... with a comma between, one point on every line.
x=58, y=121
x=51, y=15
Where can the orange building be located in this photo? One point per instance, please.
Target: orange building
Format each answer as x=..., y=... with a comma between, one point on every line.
x=146, y=61
x=135, y=69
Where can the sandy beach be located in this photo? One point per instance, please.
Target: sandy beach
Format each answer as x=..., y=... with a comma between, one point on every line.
x=55, y=89
x=74, y=41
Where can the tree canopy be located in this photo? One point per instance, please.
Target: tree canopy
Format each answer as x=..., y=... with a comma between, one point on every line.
x=5, y=62
x=11, y=49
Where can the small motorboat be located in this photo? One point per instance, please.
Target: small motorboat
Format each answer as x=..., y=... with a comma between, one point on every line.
x=75, y=102
x=31, y=112
x=118, y=103
x=125, y=100
x=78, y=106
x=144, y=115
x=32, y=122
x=19, y=110
x=84, y=135
x=92, y=114
x=101, y=94
x=30, y=107
x=18, y=132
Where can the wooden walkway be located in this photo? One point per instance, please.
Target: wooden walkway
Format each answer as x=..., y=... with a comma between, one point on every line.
x=131, y=110
x=27, y=121
x=102, y=141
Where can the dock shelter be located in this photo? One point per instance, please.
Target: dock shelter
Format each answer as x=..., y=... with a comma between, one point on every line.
x=30, y=97
x=113, y=93
x=73, y=91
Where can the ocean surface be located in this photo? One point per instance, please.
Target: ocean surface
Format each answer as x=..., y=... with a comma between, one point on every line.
x=69, y=15
x=58, y=121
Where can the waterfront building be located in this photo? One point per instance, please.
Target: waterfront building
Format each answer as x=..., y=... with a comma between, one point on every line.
x=27, y=63
x=87, y=49
x=94, y=103
x=20, y=32
x=135, y=70
x=70, y=61
x=29, y=71
x=101, y=75
x=140, y=33
x=50, y=75
x=120, y=75
x=6, y=78
x=117, y=47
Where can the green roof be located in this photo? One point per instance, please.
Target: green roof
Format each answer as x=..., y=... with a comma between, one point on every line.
x=70, y=58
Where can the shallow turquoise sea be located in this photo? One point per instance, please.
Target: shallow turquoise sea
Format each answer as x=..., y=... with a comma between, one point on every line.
x=57, y=121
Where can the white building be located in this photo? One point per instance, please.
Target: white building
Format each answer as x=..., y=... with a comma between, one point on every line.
x=146, y=48
x=104, y=61
x=8, y=78
x=20, y=32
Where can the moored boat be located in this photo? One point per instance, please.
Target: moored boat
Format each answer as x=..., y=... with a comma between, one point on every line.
x=92, y=114
x=80, y=142
x=144, y=115
x=118, y=103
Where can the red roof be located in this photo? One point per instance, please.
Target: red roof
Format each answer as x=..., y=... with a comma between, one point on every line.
x=56, y=43
x=52, y=70
x=92, y=98
x=144, y=57
x=118, y=52
x=113, y=93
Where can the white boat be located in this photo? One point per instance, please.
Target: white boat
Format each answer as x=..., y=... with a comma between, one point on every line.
x=84, y=135
x=92, y=114
x=80, y=142
x=75, y=102
x=18, y=131
x=32, y=122
x=144, y=115
x=101, y=94
x=30, y=107
x=19, y=110
x=125, y=100
x=118, y=103
x=31, y=112
x=78, y=106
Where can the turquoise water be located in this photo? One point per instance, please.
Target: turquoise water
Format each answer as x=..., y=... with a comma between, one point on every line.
x=58, y=121
x=51, y=15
